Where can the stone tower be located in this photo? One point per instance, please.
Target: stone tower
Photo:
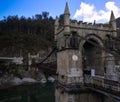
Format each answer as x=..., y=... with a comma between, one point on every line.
x=68, y=53
x=81, y=50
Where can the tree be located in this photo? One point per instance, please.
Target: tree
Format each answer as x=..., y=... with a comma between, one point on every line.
x=26, y=34
x=45, y=15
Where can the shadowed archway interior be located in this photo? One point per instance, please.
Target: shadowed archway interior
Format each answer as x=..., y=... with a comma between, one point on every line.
x=91, y=55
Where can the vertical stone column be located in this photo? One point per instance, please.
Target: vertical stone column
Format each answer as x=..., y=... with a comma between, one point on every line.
x=62, y=96
x=110, y=68
x=69, y=66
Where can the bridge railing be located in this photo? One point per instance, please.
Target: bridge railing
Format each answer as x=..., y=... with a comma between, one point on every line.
x=106, y=84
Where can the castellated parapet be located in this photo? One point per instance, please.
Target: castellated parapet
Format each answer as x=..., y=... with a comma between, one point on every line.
x=84, y=28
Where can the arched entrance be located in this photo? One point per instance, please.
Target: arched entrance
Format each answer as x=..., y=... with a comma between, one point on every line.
x=92, y=55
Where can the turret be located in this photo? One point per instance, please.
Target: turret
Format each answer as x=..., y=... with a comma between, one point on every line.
x=113, y=23
x=56, y=26
x=66, y=20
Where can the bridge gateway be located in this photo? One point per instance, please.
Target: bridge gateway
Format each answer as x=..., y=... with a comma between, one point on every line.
x=81, y=53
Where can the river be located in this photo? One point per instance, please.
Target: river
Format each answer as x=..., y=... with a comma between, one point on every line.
x=28, y=93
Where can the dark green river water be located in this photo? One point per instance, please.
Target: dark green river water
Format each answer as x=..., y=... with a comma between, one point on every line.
x=28, y=93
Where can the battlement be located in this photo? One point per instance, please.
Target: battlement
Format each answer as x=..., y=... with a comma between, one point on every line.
x=67, y=25
x=86, y=25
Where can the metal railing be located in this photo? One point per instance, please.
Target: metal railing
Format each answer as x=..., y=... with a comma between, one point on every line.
x=106, y=84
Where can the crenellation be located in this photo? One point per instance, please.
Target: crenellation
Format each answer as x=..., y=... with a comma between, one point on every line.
x=106, y=25
x=101, y=26
x=72, y=23
x=90, y=24
x=85, y=25
x=76, y=23
x=80, y=22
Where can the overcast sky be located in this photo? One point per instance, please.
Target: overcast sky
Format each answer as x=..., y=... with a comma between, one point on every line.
x=86, y=10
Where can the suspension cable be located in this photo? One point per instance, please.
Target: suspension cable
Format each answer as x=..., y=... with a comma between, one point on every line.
x=91, y=42
x=54, y=49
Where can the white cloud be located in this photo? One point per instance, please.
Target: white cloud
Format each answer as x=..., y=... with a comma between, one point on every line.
x=88, y=12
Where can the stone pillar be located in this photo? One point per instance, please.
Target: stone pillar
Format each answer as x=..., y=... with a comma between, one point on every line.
x=69, y=66
x=110, y=68
x=62, y=96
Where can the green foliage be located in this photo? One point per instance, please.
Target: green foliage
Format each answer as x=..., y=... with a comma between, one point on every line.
x=26, y=34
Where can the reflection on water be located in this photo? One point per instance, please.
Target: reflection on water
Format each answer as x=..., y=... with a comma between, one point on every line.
x=28, y=93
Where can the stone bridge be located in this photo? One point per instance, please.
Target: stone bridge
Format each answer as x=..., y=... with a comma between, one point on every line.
x=88, y=68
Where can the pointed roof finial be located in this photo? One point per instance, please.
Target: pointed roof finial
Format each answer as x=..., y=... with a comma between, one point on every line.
x=94, y=22
x=66, y=9
x=112, y=17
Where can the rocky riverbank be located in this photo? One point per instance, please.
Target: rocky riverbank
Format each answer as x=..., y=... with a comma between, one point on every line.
x=26, y=77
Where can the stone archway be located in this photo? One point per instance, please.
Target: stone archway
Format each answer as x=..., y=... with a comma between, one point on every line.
x=92, y=54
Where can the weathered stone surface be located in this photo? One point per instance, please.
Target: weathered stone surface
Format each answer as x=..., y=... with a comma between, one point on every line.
x=81, y=47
